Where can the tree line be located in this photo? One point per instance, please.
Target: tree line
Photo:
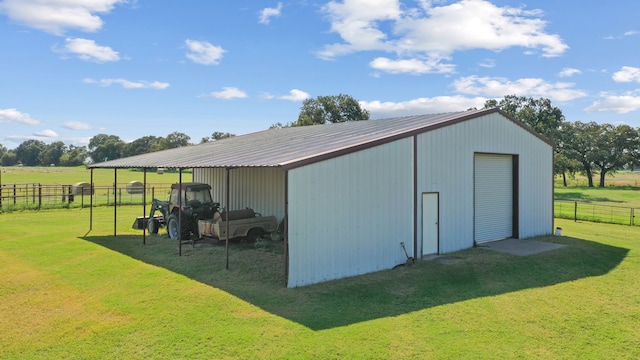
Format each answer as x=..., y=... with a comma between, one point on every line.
x=101, y=147
x=590, y=148
x=587, y=148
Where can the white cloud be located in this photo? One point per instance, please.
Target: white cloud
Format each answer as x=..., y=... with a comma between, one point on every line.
x=418, y=106
x=295, y=95
x=533, y=87
x=488, y=63
x=202, y=52
x=620, y=104
x=76, y=125
x=229, y=93
x=627, y=74
x=411, y=66
x=57, y=16
x=267, y=13
x=626, y=33
x=14, y=116
x=434, y=33
x=46, y=134
x=568, y=72
x=88, y=50
x=129, y=84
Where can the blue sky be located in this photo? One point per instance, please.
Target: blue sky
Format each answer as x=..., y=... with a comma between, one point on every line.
x=71, y=69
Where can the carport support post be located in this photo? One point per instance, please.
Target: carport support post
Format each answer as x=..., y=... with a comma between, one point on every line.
x=179, y=212
x=144, y=206
x=115, y=208
x=90, y=201
x=226, y=200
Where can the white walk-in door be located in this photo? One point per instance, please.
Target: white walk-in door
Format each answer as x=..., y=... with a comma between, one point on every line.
x=429, y=223
x=493, y=197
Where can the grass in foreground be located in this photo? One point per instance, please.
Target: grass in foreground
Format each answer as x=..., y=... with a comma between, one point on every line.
x=63, y=294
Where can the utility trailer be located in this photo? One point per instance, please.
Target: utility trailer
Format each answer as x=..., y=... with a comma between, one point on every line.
x=242, y=224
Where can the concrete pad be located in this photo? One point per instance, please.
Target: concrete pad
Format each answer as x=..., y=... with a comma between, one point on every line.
x=520, y=247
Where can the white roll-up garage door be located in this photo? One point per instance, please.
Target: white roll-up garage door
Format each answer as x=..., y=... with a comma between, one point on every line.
x=493, y=197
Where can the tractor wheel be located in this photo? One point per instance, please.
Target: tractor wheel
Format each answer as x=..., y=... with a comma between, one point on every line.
x=174, y=230
x=153, y=225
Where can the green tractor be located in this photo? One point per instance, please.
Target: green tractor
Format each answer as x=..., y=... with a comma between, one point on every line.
x=194, y=199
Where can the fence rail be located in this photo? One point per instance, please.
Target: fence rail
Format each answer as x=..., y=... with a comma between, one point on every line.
x=595, y=212
x=36, y=196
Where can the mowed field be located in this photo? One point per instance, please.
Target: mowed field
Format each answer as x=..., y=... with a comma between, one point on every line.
x=66, y=292
x=72, y=175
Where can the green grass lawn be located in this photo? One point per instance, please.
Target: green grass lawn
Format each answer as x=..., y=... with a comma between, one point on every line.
x=71, y=175
x=609, y=204
x=610, y=196
x=66, y=293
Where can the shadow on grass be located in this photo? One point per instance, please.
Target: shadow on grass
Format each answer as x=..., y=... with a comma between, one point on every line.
x=256, y=275
x=578, y=196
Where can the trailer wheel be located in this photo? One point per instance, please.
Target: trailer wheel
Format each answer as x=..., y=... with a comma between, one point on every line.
x=153, y=225
x=254, y=234
x=174, y=230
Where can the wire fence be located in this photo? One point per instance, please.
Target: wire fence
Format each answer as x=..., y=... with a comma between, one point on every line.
x=595, y=212
x=36, y=196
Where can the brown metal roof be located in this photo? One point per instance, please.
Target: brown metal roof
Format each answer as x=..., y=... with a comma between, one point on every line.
x=296, y=146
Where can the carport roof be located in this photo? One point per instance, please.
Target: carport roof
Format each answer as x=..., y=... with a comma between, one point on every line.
x=296, y=146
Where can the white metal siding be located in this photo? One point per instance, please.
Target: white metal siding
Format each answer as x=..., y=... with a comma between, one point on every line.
x=493, y=197
x=348, y=215
x=261, y=189
x=445, y=165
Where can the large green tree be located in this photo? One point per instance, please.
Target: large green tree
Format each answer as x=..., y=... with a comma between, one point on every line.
x=28, y=153
x=143, y=145
x=614, y=148
x=75, y=156
x=103, y=147
x=177, y=139
x=9, y=158
x=216, y=135
x=563, y=165
x=330, y=109
x=540, y=114
x=580, y=144
x=52, y=153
